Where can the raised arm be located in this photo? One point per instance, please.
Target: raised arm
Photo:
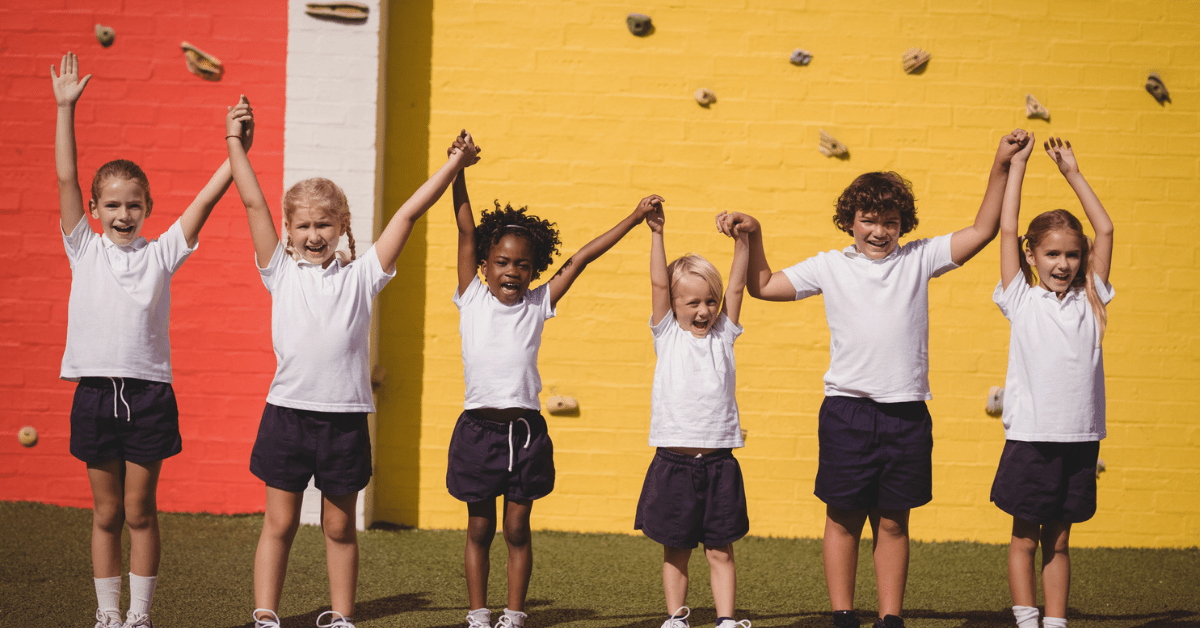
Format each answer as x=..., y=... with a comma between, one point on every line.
x=660, y=282
x=562, y=280
x=737, y=274
x=468, y=264
x=967, y=242
x=1102, y=246
x=68, y=87
x=761, y=283
x=396, y=233
x=258, y=214
x=1010, y=244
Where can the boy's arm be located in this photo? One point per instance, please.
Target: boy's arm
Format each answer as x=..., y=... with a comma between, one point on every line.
x=761, y=283
x=966, y=243
x=1010, y=245
x=737, y=277
x=396, y=233
x=1102, y=246
x=258, y=214
x=660, y=282
x=468, y=266
x=562, y=280
x=68, y=87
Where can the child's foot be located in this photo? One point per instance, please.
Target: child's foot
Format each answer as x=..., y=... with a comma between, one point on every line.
x=137, y=620
x=511, y=619
x=479, y=618
x=336, y=620
x=677, y=620
x=845, y=619
x=108, y=619
x=728, y=622
x=265, y=618
x=889, y=621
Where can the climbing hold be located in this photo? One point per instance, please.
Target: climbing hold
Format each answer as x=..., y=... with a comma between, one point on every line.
x=1157, y=88
x=830, y=147
x=201, y=63
x=705, y=97
x=913, y=59
x=639, y=24
x=1100, y=467
x=744, y=432
x=560, y=404
x=105, y=35
x=1034, y=109
x=801, y=57
x=354, y=12
x=995, y=401
x=27, y=436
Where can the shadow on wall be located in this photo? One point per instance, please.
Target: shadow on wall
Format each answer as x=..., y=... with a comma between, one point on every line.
x=402, y=305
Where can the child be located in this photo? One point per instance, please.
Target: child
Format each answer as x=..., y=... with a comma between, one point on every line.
x=124, y=420
x=500, y=445
x=1054, y=392
x=693, y=491
x=315, y=421
x=875, y=433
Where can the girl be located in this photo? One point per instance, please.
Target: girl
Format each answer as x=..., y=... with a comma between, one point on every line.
x=124, y=420
x=1054, y=391
x=693, y=491
x=500, y=445
x=315, y=421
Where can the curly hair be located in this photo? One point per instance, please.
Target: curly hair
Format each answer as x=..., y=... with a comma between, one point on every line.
x=877, y=192
x=321, y=194
x=124, y=169
x=1063, y=220
x=542, y=235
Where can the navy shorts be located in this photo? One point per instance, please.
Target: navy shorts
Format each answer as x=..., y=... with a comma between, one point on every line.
x=493, y=458
x=874, y=455
x=1044, y=482
x=296, y=445
x=135, y=420
x=688, y=500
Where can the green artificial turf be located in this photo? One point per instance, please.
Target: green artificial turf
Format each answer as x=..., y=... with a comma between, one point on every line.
x=414, y=578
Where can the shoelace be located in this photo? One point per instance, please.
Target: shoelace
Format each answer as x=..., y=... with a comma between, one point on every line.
x=108, y=619
x=336, y=620
x=745, y=623
x=475, y=622
x=270, y=622
x=137, y=621
x=678, y=622
x=121, y=396
x=510, y=447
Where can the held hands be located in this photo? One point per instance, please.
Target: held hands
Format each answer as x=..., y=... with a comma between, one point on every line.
x=68, y=87
x=1062, y=155
x=239, y=122
x=736, y=224
x=465, y=149
x=651, y=208
x=1013, y=145
x=1026, y=142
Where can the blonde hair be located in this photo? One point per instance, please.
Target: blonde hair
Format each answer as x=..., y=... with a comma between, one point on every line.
x=692, y=264
x=1056, y=220
x=318, y=194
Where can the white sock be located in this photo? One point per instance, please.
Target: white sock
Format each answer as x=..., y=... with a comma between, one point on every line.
x=141, y=593
x=1027, y=616
x=516, y=617
x=482, y=614
x=108, y=593
x=1054, y=622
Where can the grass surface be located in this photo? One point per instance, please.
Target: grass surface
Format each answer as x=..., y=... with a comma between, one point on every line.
x=414, y=578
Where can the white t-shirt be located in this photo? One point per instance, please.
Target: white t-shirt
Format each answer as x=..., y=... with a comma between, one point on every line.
x=693, y=403
x=878, y=316
x=320, y=329
x=500, y=346
x=120, y=309
x=1054, y=391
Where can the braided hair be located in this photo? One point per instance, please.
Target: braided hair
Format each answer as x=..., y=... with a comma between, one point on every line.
x=542, y=235
x=325, y=195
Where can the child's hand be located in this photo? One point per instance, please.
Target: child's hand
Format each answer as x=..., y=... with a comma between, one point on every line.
x=240, y=122
x=68, y=87
x=655, y=218
x=648, y=206
x=736, y=224
x=1062, y=155
x=465, y=149
x=1011, y=145
x=1026, y=141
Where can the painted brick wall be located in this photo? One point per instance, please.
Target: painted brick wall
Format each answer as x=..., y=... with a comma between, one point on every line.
x=142, y=104
x=580, y=119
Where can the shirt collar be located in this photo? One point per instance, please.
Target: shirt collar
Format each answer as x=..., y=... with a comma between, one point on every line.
x=137, y=245
x=853, y=253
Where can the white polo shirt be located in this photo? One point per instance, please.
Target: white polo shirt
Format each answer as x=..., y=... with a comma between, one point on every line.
x=500, y=346
x=320, y=329
x=1054, y=390
x=878, y=315
x=119, y=315
x=693, y=403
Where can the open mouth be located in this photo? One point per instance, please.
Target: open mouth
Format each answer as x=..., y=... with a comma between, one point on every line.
x=877, y=244
x=315, y=250
x=123, y=230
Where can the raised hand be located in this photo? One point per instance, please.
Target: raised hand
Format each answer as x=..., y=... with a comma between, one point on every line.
x=736, y=224
x=68, y=87
x=1026, y=141
x=647, y=206
x=464, y=145
x=1063, y=156
x=655, y=218
x=1011, y=145
x=240, y=122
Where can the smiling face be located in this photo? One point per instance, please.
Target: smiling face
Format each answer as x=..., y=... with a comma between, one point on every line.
x=121, y=207
x=314, y=233
x=695, y=306
x=1057, y=258
x=876, y=234
x=508, y=268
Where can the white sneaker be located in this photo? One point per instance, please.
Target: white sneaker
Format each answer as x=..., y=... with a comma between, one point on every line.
x=678, y=622
x=511, y=619
x=336, y=620
x=133, y=620
x=268, y=622
x=108, y=619
x=729, y=623
x=483, y=619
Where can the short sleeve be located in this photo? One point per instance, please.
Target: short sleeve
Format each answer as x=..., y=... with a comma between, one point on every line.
x=726, y=331
x=370, y=272
x=270, y=274
x=804, y=278
x=937, y=256
x=77, y=240
x=1009, y=301
x=173, y=249
x=663, y=325
x=540, y=297
x=1103, y=290
x=472, y=293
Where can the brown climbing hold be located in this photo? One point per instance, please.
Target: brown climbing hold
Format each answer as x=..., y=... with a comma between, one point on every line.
x=1034, y=109
x=201, y=63
x=1157, y=88
x=913, y=59
x=352, y=12
x=105, y=35
x=801, y=56
x=561, y=404
x=705, y=97
x=28, y=436
x=639, y=24
x=830, y=147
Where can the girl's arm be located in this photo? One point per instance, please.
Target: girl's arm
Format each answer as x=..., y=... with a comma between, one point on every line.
x=68, y=87
x=468, y=266
x=660, y=282
x=197, y=213
x=258, y=214
x=1010, y=244
x=396, y=233
x=737, y=275
x=760, y=281
x=562, y=280
x=969, y=241
x=1102, y=246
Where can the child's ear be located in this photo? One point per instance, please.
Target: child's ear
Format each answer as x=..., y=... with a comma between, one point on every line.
x=149, y=207
x=92, y=209
x=1029, y=257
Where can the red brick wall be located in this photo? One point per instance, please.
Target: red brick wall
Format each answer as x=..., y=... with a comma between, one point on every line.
x=142, y=104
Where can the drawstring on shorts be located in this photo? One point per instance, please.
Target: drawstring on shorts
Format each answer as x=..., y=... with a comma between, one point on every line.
x=528, y=433
x=121, y=394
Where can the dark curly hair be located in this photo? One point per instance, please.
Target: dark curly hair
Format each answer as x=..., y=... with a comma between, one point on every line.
x=877, y=192
x=541, y=234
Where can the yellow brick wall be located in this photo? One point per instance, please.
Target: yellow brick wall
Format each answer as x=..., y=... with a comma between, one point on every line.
x=579, y=119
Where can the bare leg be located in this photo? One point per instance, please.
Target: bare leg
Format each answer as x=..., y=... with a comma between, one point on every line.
x=107, y=480
x=520, y=550
x=141, y=514
x=1022, y=582
x=1056, y=567
x=890, y=529
x=274, y=544
x=839, y=550
x=481, y=529
x=675, y=576
x=341, y=549
x=724, y=578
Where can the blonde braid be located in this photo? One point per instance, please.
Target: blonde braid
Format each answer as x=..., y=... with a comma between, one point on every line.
x=350, y=238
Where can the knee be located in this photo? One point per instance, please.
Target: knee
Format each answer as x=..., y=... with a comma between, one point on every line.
x=340, y=532
x=894, y=528
x=517, y=534
x=280, y=527
x=481, y=532
x=109, y=517
x=719, y=556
